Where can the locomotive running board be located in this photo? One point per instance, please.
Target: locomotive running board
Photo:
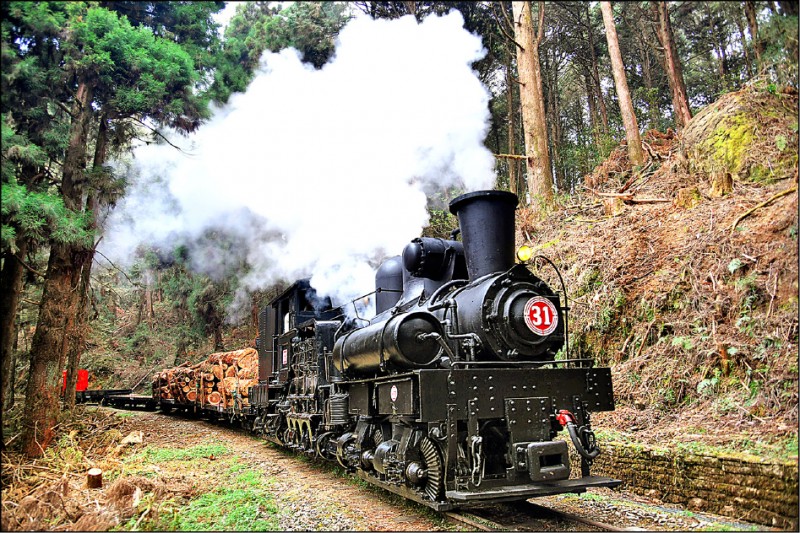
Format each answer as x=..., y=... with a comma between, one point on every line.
x=532, y=490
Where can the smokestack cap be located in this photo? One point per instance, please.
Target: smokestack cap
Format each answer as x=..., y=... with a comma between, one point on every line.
x=503, y=196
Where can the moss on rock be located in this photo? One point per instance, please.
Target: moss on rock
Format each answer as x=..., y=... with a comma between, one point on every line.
x=748, y=135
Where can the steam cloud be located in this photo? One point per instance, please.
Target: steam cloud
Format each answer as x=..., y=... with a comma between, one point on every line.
x=318, y=173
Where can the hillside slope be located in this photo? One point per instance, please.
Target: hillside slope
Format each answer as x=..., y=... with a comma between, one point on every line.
x=683, y=277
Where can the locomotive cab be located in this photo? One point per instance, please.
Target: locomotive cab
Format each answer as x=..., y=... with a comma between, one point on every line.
x=295, y=340
x=294, y=306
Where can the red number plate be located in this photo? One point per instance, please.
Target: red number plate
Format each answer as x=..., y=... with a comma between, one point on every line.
x=541, y=316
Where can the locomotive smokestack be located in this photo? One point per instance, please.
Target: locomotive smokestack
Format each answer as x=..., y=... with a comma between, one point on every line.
x=486, y=219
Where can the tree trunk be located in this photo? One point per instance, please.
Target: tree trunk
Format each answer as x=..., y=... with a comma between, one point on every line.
x=11, y=289
x=719, y=46
x=48, y=349
x=58, y=306
x=554, y=124
x=411, y=8
x=645, y=48
x=94, y=478
x=672, y=66
x=218, y=344
x=148, y=294
x=512, y=164
x=590, y=100
x=540, y=181
x=12, y=380
x=635, y=152
x=583, y=164
x=596, y=74
x=788, y=7
x=748, y=62
x=752, y=23
x=77, y=337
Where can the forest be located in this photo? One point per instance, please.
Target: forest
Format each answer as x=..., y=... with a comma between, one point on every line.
x=584, y=102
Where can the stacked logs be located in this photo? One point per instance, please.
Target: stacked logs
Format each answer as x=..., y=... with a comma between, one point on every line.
x=222, y=379
x=226, y=375
x=179, y=384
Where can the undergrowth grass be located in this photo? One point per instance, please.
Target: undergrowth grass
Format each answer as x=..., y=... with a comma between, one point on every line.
x=237, y=498
x=160, y=455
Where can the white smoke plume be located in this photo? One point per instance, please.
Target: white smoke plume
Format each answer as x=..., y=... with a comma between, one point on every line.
x=319, y=173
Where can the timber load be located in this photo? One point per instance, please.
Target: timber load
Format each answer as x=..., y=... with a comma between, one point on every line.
x=223, y=379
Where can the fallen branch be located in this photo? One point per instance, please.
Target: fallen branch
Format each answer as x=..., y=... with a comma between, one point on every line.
x=653, y=153
x=648, y=200
x=644, y=339
x=623, y=195
x=643, y=173
x=759, y=206
x=592, y=221
x=627, y=197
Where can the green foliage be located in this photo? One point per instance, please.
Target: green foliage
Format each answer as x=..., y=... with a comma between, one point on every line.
x=137, y=339
x=51, y=47
x=190, y=24
x=779, y=33
x=685, y=343
x=731, y=141
x=309, y=27
x=39, y=215
x=648, y=311
x=710, y=386
x=607, y=317
x=589, y=281
x=441, y=223
x=735, y=265
x=134, y=72
x=746, y=283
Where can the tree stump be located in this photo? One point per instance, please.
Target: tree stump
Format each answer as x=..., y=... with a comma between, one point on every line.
x=94, y=478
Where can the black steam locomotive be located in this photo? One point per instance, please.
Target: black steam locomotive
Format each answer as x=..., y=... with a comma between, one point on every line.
x=453, y=393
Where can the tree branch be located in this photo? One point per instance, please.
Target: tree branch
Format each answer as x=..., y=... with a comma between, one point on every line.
x=64, y=108
x=511, y=156
x=502, y=28
x=28, y=267
x=160, y=135
x=759, y=206
x=134, y=283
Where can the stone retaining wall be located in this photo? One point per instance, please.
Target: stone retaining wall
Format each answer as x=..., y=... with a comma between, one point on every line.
x=741, y=487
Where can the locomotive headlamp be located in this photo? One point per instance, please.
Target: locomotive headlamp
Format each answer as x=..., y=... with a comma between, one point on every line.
x=524, y=253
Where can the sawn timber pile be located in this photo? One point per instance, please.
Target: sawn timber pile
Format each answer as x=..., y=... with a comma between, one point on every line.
x=220, y=379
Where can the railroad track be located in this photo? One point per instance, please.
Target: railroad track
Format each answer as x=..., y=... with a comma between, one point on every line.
x=527, y=516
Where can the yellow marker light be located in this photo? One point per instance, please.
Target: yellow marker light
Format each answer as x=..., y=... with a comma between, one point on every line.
x=524, y=253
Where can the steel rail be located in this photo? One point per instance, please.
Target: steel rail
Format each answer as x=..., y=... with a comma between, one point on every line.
x=526, y=509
